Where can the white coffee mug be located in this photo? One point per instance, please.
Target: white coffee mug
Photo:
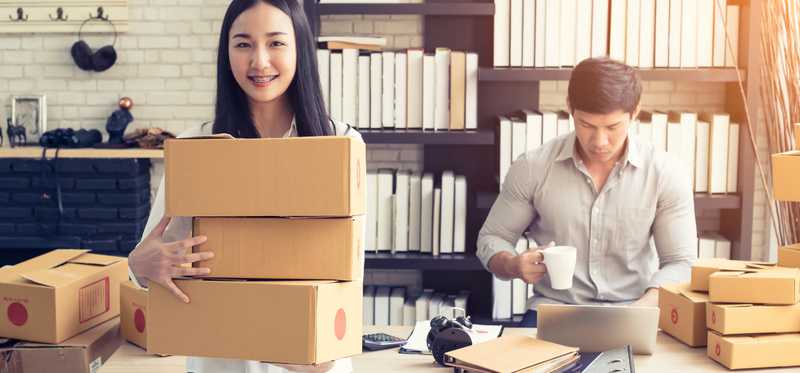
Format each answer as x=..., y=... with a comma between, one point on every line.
x=560, y=263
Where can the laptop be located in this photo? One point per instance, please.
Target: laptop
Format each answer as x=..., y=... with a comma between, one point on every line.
x=596, y=328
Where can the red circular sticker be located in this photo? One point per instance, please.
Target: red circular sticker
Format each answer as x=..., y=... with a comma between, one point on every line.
x=340, y=324
x=17, y=313
x=138, y=320
x=713, y=317
x=717, y=350
x=674, y=316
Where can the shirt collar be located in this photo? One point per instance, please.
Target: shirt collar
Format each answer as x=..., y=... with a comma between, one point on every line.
x=632, y=151
x=292, y=131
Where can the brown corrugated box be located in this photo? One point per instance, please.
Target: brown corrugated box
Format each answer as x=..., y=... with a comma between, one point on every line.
x=58, y=295
x=302, y=176
x=133, y=314
x=789, y=256
x=727, y=319
x=774, y=286
x=295, y=322
x=85, y=352
x=281, y=248
x=797, y=136
x=683, y=314
x=703, y=268
x=754, y=351
x=786, y=176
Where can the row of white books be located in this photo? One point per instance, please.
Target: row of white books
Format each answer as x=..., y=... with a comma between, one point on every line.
x=406, y=212
x=384, y=305
x=643, y=33
x=712, y=245
x=510, y=297
x=707, y=145
x=399, y=90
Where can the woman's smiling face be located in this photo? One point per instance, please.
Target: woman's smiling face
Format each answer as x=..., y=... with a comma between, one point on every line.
x=262, y=52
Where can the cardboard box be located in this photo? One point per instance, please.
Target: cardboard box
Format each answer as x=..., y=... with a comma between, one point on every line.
x=727, y=319
x=789, y=256
x=295, y=322
x=133, y=314
x=774, y=286
x=683, y=314
x=86, y=352
x=797, y=136
x=281, y=248
x=703, y=268
x=754, y=351
x=301, y=176
x=786, y=176
x=60, y=294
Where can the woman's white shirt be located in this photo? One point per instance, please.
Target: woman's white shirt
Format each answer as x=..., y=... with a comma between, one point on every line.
x=181, y=228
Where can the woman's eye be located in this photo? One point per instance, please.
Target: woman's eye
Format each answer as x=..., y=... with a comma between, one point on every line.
x=277, y=44
x=242, y=45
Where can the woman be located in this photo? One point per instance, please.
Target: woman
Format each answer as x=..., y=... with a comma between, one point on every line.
x=267, y=86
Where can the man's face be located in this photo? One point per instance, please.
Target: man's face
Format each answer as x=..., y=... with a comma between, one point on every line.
x=602, y=136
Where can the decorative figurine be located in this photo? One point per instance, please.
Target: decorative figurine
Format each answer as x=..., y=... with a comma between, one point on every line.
x=16, y=134
x=119, y=120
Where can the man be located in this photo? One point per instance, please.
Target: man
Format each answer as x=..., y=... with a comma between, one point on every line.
x=601, y=191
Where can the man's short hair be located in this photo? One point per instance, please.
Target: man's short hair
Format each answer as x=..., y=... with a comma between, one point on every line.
x=602, y=86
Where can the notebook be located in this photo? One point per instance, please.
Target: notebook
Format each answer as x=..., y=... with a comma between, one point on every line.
x=513, y=353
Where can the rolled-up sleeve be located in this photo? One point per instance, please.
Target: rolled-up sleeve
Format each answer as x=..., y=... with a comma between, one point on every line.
x=510, y=215
x=675, y=230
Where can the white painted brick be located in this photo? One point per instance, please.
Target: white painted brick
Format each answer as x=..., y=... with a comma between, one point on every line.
x=204, y=56
x=376, y=17
x=59, y=42
x=144, y=84
x=178, y=28
x=82, y=85
x=154, y=27
x=176, y=56
x=165, y=98
x=10, y=71
x=188, y=13
x=189, y=42
x=380, y=155
x=202, y=98
x=397, y=27
x=159, y=42
x=159, y=71
x=209, y=43
x=116, y=72
x=152, y=56
x=131, y=57
x=201, y=27
x=71, y=99
x=51, y=85
x=211, y=13
x=105, y=98
x=152, y=14
x=336, y=27
x=110, y=85
x=192, y=112
x=33, y=43
x=48, y=57
x=204, y=84
x=10, y=43
x=96, y=112
x=63, y=71
x=363, y=27
x=33, y=71
x=17, y=57
x=178, y=84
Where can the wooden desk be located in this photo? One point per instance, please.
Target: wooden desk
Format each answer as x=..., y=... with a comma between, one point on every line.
x=670, y=355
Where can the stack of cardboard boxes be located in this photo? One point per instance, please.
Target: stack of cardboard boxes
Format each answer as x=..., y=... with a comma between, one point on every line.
x=284, y=218
x=62, y=307
x=746, y=313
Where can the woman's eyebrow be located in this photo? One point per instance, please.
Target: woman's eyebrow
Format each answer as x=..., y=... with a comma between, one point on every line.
x=269, y=34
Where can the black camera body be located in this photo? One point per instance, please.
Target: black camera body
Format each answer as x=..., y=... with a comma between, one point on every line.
x=447, y=335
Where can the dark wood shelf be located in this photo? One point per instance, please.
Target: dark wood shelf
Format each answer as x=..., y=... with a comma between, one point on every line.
x=374, y=136
x=447, y=262
x=702, y=201
x=426, y=9
x=517, y=74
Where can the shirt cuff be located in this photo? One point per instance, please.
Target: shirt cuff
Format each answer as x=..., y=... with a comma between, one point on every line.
x=672, y=273
x=490, y=246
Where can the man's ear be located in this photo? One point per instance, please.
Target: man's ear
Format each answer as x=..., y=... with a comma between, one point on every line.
x=569, y=107
x=636, y=112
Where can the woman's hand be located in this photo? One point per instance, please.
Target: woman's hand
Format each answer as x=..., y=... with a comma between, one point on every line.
x=159, y=261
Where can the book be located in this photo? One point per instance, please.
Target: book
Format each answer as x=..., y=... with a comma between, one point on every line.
x=428, y=92
x=414, y=85
x=528, y=31
x=549, y=126
x=504, y=148
x=701, y=156
x=460, y=212
x=471, y=92
x=689, y=33
x=401, y=211
x=632, y=33
x=583, y=30
x=364, y=95
x=397, y=299
x=458, y=76
x=502, y=33
x=518, y=137
x=324, y=66
x=414, y=211
x=732, y=24
x=340, y=45
x=400, y=93
x=372, y=211
x=387, y=90
x=422, y=304
x=705, y=32
x=599, y=28
x=647, y=33
x=720, y=16
x=349, y=86
x=336, y=86
x=447, y=212
x=718, y=152
x=552, y=34
x=375, y=87
x=442, y=86
x=675, y=32
x=519, y=289
x=567, y=38
x=410, y=311
x=501, y=298
x=366, y=40
x=662, y=34
x=515, y=37
x=617, y=30
x=369, y=305
x=533, y=130
x=382, y=305
x=437, y=218
x=733, y=159
x=385, y=210
x=539, y=34
x=426, y=213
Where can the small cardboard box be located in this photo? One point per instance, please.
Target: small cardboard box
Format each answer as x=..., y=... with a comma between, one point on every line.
x=754, y=351
x=301, y=176
x=789, y=256
x=774, y=286
x=133, y=314
x=797, y=136
x=683, y=314
x=727, y=319
x=295, y=322
x=85, y=352
x=58, y=295
x=281, y=248
x=786, y=176
x=703, y=268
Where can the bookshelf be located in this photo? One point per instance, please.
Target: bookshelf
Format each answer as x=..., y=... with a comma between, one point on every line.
x=468, y=25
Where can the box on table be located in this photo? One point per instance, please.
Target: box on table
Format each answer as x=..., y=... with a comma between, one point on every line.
x=728, y=319
x=786, y=176
x=778, y=285
x=754, y=351
x=789, y=256
x=294, y=322
x=301, y=176
x=703, y=268
x=283, y=248
x=57, y=295
x=683, y=314
x=133, y=313
x=85, y=352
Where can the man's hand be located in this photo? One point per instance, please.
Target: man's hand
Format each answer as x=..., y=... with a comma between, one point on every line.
x=649, y=299
x=527, y=266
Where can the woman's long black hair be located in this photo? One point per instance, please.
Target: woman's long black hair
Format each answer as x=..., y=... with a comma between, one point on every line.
x=232, y=114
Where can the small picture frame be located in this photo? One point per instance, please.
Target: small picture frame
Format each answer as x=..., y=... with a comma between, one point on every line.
x=30, y=111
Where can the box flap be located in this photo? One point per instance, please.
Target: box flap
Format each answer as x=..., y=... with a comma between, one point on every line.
x=95, y=259
x=49, y=260
x=50, y=278
x=793, y=247
x=694, y=296
x=207, y=137
x=734, y=305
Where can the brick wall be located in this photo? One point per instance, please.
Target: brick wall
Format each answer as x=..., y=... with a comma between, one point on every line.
x=167, y=65
x=105, y=203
